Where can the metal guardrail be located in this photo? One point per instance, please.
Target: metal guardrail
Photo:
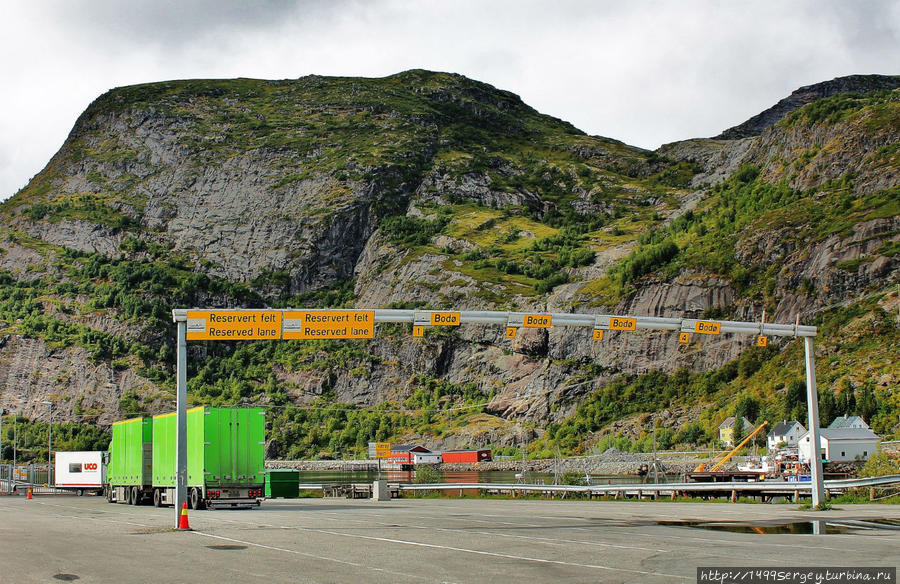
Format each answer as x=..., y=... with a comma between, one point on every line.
x=667, y=488
x=768, y=487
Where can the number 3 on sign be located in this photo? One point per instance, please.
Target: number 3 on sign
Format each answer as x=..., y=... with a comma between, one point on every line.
x=598, y=334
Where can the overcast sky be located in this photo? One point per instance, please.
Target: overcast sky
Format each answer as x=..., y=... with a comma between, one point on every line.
x=646, y=73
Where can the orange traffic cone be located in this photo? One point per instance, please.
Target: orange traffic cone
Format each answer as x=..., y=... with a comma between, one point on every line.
x=183, y=520
x=29, y=494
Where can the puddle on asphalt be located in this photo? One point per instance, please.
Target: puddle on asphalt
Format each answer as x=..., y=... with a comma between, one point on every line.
x=227, y=547
x=814, y=527
x=65, y=577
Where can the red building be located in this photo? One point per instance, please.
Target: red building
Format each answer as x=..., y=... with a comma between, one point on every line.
x=466, y=456
x=405, y=453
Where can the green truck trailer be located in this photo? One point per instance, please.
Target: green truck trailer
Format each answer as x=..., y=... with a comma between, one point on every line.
x=225, y=457
x=129, y=467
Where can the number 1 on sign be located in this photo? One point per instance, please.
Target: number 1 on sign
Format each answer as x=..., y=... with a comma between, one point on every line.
x=418, y=331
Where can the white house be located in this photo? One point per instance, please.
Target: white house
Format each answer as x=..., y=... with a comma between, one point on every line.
x=785, y=432
x=841, y=444
x=849, y=422
x=427, y=458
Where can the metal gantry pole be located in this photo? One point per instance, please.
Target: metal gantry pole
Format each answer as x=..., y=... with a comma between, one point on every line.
x=290, y=322
x=812, y=399
x=15, y=445
x=181, y=423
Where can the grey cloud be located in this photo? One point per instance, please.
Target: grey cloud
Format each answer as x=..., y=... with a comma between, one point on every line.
x=176, y=22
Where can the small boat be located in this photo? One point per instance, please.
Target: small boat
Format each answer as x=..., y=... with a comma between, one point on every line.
x=756, y=464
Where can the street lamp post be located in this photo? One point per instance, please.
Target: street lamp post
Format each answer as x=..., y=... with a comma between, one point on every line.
x=49, y=443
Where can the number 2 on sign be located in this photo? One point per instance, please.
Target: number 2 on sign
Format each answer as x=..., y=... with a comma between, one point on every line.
x=511, y=332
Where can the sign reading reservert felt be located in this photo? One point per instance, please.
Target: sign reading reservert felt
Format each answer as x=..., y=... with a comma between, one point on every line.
x=233, y=325
x=329, y=324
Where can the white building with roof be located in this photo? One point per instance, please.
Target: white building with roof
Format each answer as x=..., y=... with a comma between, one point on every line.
x=841, y=444
x=786, y=432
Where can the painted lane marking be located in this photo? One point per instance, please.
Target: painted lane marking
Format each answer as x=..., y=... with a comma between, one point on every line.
x=314, y=556
x=502, y=555
x=394, y=525
x=448, y=548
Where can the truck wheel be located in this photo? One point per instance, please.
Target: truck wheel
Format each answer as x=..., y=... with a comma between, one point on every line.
x=157, y=497
x=196, y=499
x=109, y=494
x=135, y=496
x=81, y=492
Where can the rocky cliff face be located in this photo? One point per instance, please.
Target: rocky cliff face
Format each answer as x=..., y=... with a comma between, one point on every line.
x=419, y=189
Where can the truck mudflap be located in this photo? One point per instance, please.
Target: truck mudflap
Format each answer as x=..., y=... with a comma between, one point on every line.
x=236, y=503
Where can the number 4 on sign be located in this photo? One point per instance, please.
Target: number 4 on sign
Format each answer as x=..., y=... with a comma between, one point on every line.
x=684, y=337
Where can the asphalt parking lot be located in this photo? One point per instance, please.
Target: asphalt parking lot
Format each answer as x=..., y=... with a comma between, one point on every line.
x=57, y=538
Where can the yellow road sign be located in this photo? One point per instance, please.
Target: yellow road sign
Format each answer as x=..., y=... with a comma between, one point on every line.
x=233, y=325
x=684, y=337
x=418, y=331
x=329, y=324
x=598, y=334
x=708, y=328
x=511, y=332
x=620, y=323
x=537, y=320
x=382, y=450
x=762, y=341
x=444, y=319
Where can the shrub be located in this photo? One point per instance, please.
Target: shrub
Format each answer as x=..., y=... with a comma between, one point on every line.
x=427, y=474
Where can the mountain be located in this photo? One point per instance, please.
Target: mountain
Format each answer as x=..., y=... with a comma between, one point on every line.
x=427, y=189
x=855, y=84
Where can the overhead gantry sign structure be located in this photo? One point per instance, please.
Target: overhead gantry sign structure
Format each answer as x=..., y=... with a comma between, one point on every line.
x=307, y=324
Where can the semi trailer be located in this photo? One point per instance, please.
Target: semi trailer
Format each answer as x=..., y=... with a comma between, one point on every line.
x=225, y=458
x=128, y=472
x=79, y=471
